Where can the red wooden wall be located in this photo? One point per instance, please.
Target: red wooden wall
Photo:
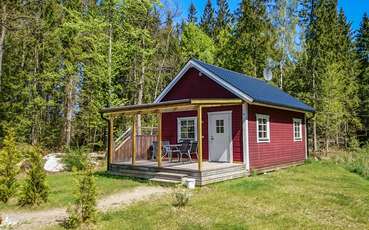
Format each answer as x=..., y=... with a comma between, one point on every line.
x=191, y=85
x=281, y=149
x=169, y=130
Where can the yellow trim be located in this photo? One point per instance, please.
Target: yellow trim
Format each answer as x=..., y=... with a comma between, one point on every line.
x=199, y=137
x=158, y=151
x=134, y=145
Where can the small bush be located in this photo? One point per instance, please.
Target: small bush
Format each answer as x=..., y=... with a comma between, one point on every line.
x=359, y=162
x=76, y=159
x=84, y=210
x=181, y=196
x=9, y=168
x=35, y=191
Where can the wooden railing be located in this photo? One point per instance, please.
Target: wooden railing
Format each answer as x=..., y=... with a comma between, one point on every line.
x=123, y=150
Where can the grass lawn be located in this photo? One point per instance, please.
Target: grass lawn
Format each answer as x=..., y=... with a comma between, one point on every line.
x=319, y=195
x=63, y=185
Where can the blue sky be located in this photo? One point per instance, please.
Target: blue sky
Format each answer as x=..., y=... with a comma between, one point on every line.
x=354, y=9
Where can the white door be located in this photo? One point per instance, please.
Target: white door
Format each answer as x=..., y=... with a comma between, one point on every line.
x=220, y=136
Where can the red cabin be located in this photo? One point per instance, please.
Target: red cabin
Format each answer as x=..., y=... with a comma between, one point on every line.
x=236, y=120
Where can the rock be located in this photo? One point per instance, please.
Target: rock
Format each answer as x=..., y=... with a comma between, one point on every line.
x=53, y=163
x=7, y=222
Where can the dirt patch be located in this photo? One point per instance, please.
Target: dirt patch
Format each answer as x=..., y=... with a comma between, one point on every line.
x=39, y=219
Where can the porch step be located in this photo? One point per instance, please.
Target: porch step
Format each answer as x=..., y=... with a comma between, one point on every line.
x=165, y=181
x=168, y=175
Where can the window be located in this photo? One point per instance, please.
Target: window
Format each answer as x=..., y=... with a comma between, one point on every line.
x=262, y=128
x=186, y=129
x=219, y=126
x=297, y=130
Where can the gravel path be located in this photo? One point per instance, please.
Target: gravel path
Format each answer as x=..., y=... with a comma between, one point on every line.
x=39, y=219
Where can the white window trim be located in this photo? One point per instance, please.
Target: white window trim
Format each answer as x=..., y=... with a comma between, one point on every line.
x=257, y=128
x=179, y=119
x=293, y=126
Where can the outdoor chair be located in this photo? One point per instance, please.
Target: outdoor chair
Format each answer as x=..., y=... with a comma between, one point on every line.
x=166, y=150
x=188, y=150
x=184, y=149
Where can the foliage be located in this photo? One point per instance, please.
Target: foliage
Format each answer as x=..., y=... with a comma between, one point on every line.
x=62, y=191
x=9, y=166
x=62, y=61
x=76, y=159
x=197, y=44
x=35, y=190
x=253, y=41
x=181, y=196
x=356, y=161
x=207, y=19
x=84, y=210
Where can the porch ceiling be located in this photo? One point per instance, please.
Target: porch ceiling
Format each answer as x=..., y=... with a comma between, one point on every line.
x=170, y=106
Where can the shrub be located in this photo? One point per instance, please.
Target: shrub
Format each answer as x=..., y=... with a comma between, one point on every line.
x=9, y=168
x=181, y=196
x=35, y=191
x=359, y=162
x=84, y=210
x=76, y=159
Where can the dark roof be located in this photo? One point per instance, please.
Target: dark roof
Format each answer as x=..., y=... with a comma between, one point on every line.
x=258, y=90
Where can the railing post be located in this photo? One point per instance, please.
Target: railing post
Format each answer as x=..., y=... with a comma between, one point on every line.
x=110, y=140
x=134, y=134
x=158, y=152
x=199, y=136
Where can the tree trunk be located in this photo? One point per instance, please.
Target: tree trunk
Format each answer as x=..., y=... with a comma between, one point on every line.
x=2, y=41
x=68, y=110
x=141, y=87
x=315, y=141
x=35, y=122
x=110, y=55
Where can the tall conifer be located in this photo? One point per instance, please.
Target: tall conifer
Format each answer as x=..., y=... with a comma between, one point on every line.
x=207, y=22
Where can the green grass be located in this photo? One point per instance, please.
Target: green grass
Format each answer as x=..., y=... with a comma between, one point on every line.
x=63, y=186
x=319, y=195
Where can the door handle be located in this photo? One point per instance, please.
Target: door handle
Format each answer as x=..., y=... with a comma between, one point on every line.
x=212, y=138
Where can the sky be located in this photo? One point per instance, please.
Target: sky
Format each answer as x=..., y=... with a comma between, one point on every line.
x=354, y=9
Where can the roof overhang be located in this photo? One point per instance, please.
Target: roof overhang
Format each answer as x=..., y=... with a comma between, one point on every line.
x=170, y=106
x=206, y=73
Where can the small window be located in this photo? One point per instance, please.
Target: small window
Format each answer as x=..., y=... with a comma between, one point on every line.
x=262, y=128
x=297, y=129
x=219, y=126
x=186, y=129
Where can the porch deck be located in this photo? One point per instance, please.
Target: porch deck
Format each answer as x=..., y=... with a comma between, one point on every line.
x=175, y=171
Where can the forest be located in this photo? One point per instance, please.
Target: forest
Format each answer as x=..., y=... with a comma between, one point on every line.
x=61, y=61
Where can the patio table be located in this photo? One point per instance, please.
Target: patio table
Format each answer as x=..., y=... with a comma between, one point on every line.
x=172, y=148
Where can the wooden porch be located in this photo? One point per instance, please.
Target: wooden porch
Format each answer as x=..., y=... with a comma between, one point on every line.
x=132, y=157
x=177, y=171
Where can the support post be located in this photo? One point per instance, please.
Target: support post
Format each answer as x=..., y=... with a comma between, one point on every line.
x=199, y=136
x=158, y=152
x=110, y=141
x=134, y=135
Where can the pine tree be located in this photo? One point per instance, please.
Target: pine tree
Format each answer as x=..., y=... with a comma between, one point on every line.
x=192, y=12
x=349, y=64
x=9, y=168
x=224, y=17
x=84, y=210
x=35, y=190
x=207, y=19
x=362, y=50
x=253, y=41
